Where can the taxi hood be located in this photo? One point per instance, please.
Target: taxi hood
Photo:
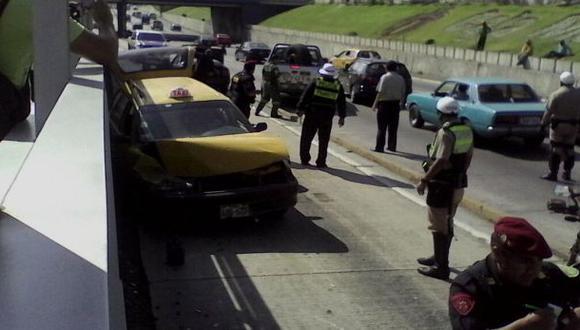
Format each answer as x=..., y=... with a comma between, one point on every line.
x=218, y=155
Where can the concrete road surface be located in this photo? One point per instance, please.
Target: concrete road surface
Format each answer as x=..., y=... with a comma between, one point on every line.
x=505, y=174
x=344, y=258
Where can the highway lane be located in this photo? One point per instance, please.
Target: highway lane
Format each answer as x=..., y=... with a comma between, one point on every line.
x=504, y=173
x=343, y=258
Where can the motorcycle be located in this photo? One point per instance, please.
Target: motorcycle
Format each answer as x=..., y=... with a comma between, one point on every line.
x=571, y=209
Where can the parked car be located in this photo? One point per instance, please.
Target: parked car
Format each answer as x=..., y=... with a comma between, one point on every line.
x=178, y=144
x=153, y=16
x=360, y=80
x=494, y=107
x=223, y=39
x=157, y=26
x=146, y=39
x=298, y=64
x=257, y=51
x=207, y=41
x=345, y=58
x=176, y=27
x=145, y=19
x=137, y=26
x=137, y=14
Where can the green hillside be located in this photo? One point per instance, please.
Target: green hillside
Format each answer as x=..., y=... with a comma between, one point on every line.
x=448, y=25
x=193, y=12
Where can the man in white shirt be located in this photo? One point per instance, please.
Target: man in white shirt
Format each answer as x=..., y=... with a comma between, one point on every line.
x=390, y=91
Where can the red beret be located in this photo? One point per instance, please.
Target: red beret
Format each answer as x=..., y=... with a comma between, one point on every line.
x=522, y=237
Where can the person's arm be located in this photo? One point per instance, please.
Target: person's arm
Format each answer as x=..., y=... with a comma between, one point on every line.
x=548, y=114
x=305, y=98
x=102, y=48
x=379, y=90
x=341, y=103
x=441, y=160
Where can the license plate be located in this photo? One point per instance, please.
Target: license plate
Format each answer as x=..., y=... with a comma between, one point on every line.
x=530, y=120
x=234, y=211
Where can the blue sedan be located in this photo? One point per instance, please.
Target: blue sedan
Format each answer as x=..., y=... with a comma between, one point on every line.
x=494, y=107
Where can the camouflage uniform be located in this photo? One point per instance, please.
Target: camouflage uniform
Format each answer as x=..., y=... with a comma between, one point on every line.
x=270, y=89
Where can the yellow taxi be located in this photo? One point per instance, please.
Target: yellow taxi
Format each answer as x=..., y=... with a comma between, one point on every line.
x=183, y=143
x=345, y=58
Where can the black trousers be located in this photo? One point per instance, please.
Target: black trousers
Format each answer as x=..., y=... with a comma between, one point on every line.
x=315, y=121
x=387, y=121
x=245, y=108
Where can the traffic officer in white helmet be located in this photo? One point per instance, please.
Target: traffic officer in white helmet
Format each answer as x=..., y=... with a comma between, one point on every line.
x=445, y=179
x=319, y=102
x=563, y=116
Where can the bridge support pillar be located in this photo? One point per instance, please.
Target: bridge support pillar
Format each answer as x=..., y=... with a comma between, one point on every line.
x=122, y=18
x=234, y=20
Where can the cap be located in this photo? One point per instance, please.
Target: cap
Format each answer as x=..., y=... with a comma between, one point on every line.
x=519, y=236
x=448, y=105
x=567, y=78
x=328, y=70
x=250, y=64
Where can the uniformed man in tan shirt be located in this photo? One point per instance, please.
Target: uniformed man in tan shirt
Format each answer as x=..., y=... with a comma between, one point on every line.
x=563, y=115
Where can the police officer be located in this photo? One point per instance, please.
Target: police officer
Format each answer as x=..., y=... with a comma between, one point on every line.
x=512, y=288
x=242, y=89
x=563, y=115
x=320, y=100
x=270, y=89
x=445, y=180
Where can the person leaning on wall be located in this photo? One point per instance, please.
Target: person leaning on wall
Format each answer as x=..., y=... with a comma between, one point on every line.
x=16, y=53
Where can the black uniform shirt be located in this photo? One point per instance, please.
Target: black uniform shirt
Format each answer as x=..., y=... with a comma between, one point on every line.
x=242, y=88
x=478, y=300
x=308, y=94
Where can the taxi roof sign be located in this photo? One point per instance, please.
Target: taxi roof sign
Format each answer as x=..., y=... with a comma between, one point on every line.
x=179, y=92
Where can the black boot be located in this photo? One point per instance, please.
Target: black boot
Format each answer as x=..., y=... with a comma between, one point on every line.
x=274, y=112
x=440, y=270
x=429, y=261
x=553, y=164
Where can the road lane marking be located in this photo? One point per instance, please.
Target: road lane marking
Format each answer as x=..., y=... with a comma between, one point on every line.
x=401, y=191
x=224, y=280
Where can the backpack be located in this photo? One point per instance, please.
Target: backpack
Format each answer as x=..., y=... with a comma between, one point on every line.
x=14, y=101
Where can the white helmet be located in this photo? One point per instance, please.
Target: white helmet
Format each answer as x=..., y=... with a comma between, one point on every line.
x=567, y=78
x=448, y=105
x=328, y=70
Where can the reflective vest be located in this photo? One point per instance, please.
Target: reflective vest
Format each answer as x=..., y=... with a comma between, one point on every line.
x=326, y=92
x=462, y=144
x=270, y=73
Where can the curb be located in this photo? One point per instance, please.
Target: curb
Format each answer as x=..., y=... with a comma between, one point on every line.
x=481, y=209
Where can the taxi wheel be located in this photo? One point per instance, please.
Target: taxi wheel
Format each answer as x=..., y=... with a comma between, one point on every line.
x=415, y=117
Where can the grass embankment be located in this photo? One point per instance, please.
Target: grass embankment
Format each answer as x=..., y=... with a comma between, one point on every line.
x=193, y=12
x=448, y=25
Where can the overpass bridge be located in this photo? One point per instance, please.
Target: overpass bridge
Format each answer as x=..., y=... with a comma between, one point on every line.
x=227, y=16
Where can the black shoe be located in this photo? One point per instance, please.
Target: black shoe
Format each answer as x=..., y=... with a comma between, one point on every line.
x=567, y=176
x=321, y=165
x=392, y=149
x=435, y=272
x=257, y=113
x=305, y=163
x=378, y=150
x=550, y=177
x=275, y=116
x=427, y=261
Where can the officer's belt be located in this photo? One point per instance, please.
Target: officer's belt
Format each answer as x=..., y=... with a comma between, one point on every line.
x=556, y=121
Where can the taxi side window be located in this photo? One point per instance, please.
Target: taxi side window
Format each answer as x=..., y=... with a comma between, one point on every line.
x=363, y=54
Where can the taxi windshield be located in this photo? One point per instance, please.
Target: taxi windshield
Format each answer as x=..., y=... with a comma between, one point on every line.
x=157, y=59
x=194, y=119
